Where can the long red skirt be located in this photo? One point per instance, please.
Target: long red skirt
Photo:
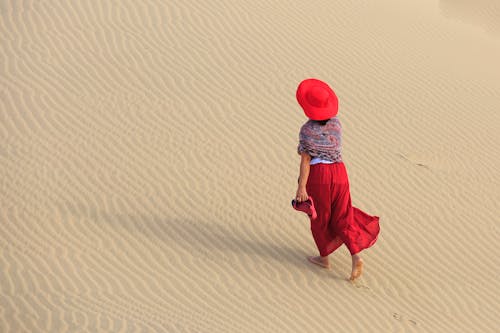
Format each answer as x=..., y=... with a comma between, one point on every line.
x=338, y=222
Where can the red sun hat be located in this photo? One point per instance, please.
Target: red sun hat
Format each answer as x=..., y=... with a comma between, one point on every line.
x=317, y=99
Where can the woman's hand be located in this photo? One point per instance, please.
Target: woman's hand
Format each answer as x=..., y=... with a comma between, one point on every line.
x=301, y=194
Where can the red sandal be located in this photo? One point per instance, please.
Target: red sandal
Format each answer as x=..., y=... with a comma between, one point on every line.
x=306, y=207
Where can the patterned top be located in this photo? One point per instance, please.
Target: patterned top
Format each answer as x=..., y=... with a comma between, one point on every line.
x=322, y=141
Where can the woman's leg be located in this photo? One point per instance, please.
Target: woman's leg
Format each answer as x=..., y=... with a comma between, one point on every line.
x=323, y=261
x=320, y=261
x=318, y=187
x=342, y=216
x=357, y=267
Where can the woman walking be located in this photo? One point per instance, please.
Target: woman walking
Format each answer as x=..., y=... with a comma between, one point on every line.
x=323, y=187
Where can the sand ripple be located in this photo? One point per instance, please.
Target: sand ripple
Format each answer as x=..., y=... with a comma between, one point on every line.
x=147, y=160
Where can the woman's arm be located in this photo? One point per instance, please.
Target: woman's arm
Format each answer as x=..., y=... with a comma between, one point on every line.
x=301, y=195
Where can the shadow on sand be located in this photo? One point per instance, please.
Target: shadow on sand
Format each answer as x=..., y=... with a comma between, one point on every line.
x=211, y=241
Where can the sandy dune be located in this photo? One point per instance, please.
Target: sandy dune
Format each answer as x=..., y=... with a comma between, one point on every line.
x=148, y=158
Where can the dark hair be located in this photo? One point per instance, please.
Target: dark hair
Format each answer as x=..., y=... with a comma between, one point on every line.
x=322, y=122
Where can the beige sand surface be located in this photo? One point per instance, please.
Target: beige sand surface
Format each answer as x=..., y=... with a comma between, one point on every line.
x=147, y=162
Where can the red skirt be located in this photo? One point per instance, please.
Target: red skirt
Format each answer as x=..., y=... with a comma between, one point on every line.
x=338, y=222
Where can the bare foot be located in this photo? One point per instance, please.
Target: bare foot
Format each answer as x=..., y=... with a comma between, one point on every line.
x=357, y=268
x=320, y=261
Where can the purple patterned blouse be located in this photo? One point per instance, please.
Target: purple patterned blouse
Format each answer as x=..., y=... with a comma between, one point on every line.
x=322, y=141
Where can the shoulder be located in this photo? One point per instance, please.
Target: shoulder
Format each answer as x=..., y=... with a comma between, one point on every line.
x=334, y=124
x=307, y=126
x=334, y=120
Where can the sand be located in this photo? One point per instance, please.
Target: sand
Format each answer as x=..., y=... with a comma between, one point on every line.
x=148, y=159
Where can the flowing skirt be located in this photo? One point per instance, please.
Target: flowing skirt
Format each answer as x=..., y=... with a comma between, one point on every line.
x=338, y=222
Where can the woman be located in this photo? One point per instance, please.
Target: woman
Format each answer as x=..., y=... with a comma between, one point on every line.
x=323, y=180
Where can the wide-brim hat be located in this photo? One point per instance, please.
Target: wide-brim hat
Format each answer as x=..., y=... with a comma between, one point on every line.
x=317, y=99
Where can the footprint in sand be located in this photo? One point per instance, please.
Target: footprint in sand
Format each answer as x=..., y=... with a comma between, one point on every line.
x=413, y=161
x=403, y=318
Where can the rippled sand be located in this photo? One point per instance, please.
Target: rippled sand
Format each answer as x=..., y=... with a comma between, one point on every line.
x=148, y=159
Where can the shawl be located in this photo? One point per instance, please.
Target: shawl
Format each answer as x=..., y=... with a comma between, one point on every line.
x=321, y=141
